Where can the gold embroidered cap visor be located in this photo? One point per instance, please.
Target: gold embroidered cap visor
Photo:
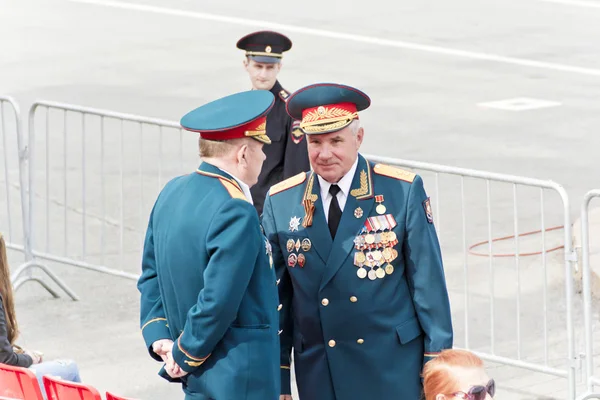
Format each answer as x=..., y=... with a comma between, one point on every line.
x=326, y=107
x=265, y=46
x=236, y=116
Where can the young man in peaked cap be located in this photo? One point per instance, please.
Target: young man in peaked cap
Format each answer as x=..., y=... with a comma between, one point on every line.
x=209, y=304
x=286, y=156
x=361, y=281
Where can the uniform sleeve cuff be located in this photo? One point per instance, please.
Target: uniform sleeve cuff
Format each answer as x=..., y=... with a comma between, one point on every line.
x=185, y=360
x=286, y=385
x=153, y=330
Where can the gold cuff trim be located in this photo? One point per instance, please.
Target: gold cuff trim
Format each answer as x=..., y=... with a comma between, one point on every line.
x=194, y=363
x=201, y=360
x=432, y=355
x=285, y=367
x=153, y=320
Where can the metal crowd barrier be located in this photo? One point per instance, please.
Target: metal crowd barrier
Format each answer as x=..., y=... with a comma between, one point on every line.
x=94, y=174
x=481, y=203
x=14, y=161
x=592, y=380
x=12, y=216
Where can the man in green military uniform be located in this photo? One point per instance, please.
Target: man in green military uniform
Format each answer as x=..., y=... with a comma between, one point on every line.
x=362, y=285
x=286, y=155
x=209, y=304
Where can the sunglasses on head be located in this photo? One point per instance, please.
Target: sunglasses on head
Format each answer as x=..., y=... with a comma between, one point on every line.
x=478, y=392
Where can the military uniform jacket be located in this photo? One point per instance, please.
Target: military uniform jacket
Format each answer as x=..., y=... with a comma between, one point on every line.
x=357, y=337
x=208, y=284
x=287, y=154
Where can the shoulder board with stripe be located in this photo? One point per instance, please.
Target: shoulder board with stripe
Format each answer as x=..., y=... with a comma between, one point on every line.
x=288, y=183
x=284, y=94
x=394, y=172
x=233, y=189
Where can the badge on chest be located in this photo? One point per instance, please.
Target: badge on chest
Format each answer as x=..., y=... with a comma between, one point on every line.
x=296, y=257
x=375, y=247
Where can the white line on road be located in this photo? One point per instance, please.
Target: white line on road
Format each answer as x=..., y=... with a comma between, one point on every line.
x=576, y=3
x=347, y=36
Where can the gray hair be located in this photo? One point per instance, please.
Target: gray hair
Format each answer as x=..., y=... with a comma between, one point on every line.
x=354, y=127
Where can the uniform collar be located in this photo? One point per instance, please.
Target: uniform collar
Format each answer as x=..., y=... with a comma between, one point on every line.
x=276, y=88
x=214, y=170
x=245, y=188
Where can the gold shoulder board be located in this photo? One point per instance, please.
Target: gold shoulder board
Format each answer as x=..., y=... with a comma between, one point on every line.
x=394, y=172
x=288, y=183
x=233, y=190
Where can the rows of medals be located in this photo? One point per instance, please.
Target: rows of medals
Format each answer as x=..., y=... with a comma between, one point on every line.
x=375, y=247
x=297, y=259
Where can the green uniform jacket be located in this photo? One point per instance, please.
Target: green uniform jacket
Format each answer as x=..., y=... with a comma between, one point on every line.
x=208, y=284
x=363, y=312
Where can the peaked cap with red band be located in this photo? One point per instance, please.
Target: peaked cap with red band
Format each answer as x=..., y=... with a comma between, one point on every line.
x=236, y=116
x=265, y=46
x=326, y=107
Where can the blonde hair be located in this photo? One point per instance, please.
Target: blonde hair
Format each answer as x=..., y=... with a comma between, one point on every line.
x=217, y=148
x=437, y=373
x=7, y=295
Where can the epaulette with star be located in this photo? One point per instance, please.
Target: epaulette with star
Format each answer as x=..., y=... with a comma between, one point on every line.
x=288, y=183
x=394, y=172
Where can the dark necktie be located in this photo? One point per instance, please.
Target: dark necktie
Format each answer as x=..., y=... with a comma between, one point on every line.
x=335, y=213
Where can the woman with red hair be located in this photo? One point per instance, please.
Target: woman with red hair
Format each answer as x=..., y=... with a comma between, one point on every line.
x=457, y=374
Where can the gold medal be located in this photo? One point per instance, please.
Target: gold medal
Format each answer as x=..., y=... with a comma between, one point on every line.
x=389, y=269
x=385, y=237
x=376, y=255
x=372, y=275
x=306, y=244
x=359, y=258
x=380, y=208
x=392, y=236
x=370, y=238
x=290, y=245
x=362, y=273
x=387, y=254
x=394, y=254
x=380, y=273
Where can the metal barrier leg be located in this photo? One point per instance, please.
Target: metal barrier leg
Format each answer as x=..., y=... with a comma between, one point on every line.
x=24, y=274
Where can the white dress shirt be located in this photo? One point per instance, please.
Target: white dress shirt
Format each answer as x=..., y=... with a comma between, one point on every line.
x=245, y=188
x=342, y=195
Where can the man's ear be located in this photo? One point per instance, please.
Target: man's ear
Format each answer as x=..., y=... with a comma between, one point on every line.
x=242, y=155
x=360, y=134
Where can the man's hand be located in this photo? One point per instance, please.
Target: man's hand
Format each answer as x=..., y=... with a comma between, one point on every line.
x=162, y=347
x=172, y=368
x=285, y=397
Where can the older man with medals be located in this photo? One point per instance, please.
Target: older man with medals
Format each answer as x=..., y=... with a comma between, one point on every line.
x=361, y=280
x=209, y=305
